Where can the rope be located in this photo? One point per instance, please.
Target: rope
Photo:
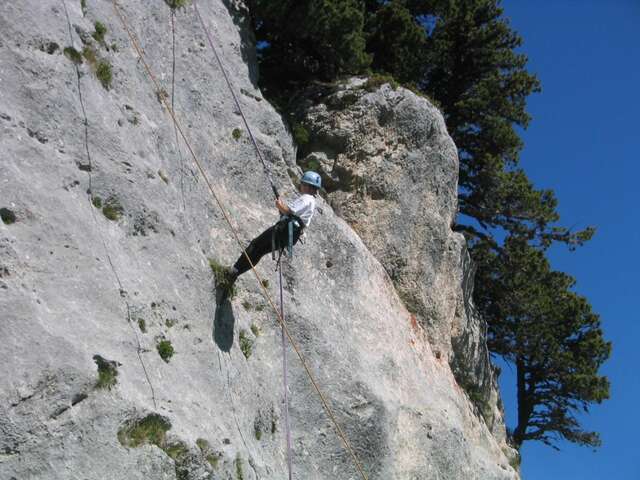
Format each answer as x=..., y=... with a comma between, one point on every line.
x=285, y=369
x=265, y=293
x=235, y=99
x=173, y=89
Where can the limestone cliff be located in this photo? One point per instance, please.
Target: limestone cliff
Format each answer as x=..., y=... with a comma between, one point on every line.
x=117, y=362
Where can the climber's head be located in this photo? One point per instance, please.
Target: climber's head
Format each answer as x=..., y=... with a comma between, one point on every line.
x=310, y=182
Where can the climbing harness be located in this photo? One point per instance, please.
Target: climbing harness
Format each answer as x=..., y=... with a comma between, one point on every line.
x=236, y=236
x=289, y=223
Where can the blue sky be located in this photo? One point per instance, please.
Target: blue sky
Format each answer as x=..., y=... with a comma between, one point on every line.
x=582, y=143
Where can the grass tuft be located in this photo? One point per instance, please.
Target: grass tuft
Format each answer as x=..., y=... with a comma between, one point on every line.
x=142, y=324
x=246, y=343
x=213, y=458
x=152, y=430
x=375, y=81
x=170, y=322
x=107, y=373
x=90, y=56
x=104, y=73
x=239, y=471
x=175, y=4
x=112, y=209
x=101, y=68
x=165, y=350
x=72, y=54
x=99, y=33
x=221, y=274
x=203, y=444
x=255, y=329
x=176, y=450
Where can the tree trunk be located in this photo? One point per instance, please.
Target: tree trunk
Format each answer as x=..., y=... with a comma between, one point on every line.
x=525, y=404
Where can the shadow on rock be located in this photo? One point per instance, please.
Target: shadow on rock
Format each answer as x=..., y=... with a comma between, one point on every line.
x=223, y=323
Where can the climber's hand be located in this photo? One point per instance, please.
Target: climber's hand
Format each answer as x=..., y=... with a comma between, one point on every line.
x=281, y=206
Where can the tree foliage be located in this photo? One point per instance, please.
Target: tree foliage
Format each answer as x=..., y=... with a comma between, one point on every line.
x=396, y=42
x=552, y=337
x=310, y=39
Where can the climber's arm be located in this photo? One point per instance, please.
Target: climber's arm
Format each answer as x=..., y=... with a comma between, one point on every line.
x=282, y=207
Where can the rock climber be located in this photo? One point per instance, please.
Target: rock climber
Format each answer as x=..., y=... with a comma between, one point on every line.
x=295, y=216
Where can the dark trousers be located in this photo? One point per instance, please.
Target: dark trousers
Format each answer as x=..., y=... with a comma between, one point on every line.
x=262, y=244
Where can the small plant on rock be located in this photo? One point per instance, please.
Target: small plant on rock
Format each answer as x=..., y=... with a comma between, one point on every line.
x=151, y=429
x=99, y=33
x=104, y=74
x=7, y=216
x=175, y=4
x=300, y=134
x=165, y=350
x=377, y=80
x=170, y=322
x=210, y=456
x=222, y=277
x=236, y=134
x=112, y=209
x=107, y=372
x=72, y=54
x=90, y=56
x=246, y=343
x=176, y=450
x=239, y=471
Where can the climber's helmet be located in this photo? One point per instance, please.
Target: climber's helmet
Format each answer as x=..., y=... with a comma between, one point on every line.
x=312, y=178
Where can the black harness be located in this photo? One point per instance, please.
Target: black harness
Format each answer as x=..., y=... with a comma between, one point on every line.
x=288, y=223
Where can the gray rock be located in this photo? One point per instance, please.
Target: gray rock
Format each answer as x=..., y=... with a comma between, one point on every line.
x=391, y=172
x=78, y=280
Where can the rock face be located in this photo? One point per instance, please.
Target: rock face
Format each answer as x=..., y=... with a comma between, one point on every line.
x=391, y=172
x=117, y=361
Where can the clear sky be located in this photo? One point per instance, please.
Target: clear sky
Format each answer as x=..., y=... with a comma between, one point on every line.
x=582, y=143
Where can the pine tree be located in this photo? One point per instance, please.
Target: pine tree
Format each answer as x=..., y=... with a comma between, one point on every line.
x=309, y=40
x=538, y=323
x=396, y=42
